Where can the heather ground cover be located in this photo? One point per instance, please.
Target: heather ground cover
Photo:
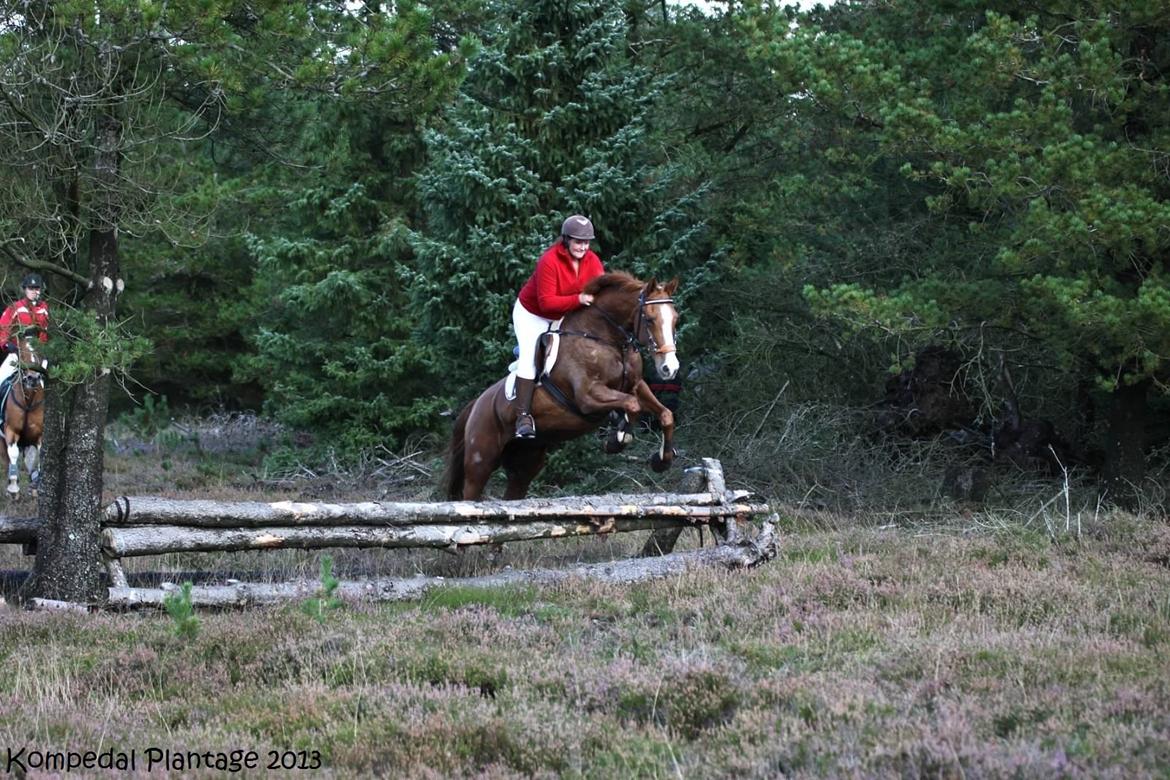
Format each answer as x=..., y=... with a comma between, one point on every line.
x=868, y=653
x=978, y=647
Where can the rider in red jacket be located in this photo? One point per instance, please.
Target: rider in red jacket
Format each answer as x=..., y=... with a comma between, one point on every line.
x=27, y=313
x=554, y=289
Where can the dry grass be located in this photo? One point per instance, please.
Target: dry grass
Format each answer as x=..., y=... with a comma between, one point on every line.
x=996, y=645
x=868, y=653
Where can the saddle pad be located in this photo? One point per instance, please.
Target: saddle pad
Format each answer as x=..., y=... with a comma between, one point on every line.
x=552, y=347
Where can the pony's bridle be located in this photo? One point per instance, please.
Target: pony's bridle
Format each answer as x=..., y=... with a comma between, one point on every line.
x=642, y=318
x=629, y=341
x=22, y=379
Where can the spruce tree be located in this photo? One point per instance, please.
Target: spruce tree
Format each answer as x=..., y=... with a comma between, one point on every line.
x=551, y=121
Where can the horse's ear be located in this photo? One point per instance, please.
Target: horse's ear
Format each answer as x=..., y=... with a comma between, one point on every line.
x=650, y=285
x=671, y=286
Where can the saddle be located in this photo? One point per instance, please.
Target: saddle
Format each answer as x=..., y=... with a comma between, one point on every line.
x=546, y=357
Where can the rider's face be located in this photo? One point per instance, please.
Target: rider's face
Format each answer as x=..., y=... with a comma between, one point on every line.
x=32, y=293
x=578, y=247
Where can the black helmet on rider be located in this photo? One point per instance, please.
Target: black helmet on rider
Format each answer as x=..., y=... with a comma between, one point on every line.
x=577, y=227
x=32, y=280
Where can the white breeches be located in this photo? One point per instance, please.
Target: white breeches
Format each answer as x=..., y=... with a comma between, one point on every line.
x=528, y=328
x=8, y=366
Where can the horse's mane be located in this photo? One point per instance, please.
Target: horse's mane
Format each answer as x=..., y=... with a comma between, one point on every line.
x=617, y=281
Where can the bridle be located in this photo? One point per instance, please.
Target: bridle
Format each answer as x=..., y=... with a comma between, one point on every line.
x=629, y=340
x=642, y=318
x=24, y=372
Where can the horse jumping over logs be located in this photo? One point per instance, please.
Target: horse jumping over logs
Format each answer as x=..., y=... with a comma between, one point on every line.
x=598, y=369
x=24, y=414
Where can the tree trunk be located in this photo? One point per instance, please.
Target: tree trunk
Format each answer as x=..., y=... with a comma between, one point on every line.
x=1125, y=457
x=69, y=566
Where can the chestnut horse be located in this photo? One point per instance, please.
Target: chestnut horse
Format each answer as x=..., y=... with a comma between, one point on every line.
x=598, y=369
x=24, y=414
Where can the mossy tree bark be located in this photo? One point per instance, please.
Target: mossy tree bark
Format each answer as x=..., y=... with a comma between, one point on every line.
x=68, y=565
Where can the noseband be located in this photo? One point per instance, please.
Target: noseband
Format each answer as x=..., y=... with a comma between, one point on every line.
x=641, y=320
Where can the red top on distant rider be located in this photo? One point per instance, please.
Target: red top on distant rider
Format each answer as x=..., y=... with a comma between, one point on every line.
x=554, y=289
x=28, y=312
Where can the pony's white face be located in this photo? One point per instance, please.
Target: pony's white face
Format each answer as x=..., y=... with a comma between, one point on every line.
x=31, y=363
x=662, y=325
x=665, y=357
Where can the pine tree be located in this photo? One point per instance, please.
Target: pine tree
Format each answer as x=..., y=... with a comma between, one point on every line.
x=1037, y=134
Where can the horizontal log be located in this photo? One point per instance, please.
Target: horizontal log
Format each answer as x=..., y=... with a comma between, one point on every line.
x=19, y=530
x=150, y=510
x=746, y=554
x=53, y=605
x=160, y=539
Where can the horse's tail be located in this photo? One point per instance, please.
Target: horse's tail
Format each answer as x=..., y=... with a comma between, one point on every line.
x=452, y=479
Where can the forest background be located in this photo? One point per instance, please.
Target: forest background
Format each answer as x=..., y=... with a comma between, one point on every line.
x=323, y=211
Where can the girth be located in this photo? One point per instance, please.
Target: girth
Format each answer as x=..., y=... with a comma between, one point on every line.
x=561, y=398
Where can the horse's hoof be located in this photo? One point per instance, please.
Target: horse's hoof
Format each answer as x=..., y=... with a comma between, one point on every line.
x=658, y=464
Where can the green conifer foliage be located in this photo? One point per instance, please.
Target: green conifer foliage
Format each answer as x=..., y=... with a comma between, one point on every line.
x=551, y=121
x=1042, y=132
x=331, y=326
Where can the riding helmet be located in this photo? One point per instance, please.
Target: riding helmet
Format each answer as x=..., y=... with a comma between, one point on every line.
x=577, y=227
x=32, y=280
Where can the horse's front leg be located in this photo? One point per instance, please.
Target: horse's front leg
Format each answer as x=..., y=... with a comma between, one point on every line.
x=662, y=459
x=619, y=435
x=13, y=465
x=600, y=398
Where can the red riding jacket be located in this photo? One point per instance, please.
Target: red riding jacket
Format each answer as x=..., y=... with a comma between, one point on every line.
x=24, y=314
x=551, y=292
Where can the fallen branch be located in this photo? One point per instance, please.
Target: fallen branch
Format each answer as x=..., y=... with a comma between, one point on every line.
x=19, y=530
x=161, y=539
x=149, y=510
x=745, y=554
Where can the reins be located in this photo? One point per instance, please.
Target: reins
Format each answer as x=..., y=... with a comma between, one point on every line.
x=629, y=341
x=629, y=338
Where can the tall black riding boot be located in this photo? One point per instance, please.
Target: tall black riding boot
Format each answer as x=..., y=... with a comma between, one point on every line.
x=525, y=425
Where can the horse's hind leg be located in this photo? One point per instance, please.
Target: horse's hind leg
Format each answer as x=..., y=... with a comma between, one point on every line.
x=525, y=463
x=32, y=455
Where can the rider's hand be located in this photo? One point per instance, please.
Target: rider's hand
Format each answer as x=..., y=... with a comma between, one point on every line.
x=585, y=299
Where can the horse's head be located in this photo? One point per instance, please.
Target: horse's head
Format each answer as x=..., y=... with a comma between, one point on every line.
x=657, y=324
x=32, y=364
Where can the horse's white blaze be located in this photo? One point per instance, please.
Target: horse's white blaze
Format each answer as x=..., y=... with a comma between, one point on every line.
x=669, y=367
